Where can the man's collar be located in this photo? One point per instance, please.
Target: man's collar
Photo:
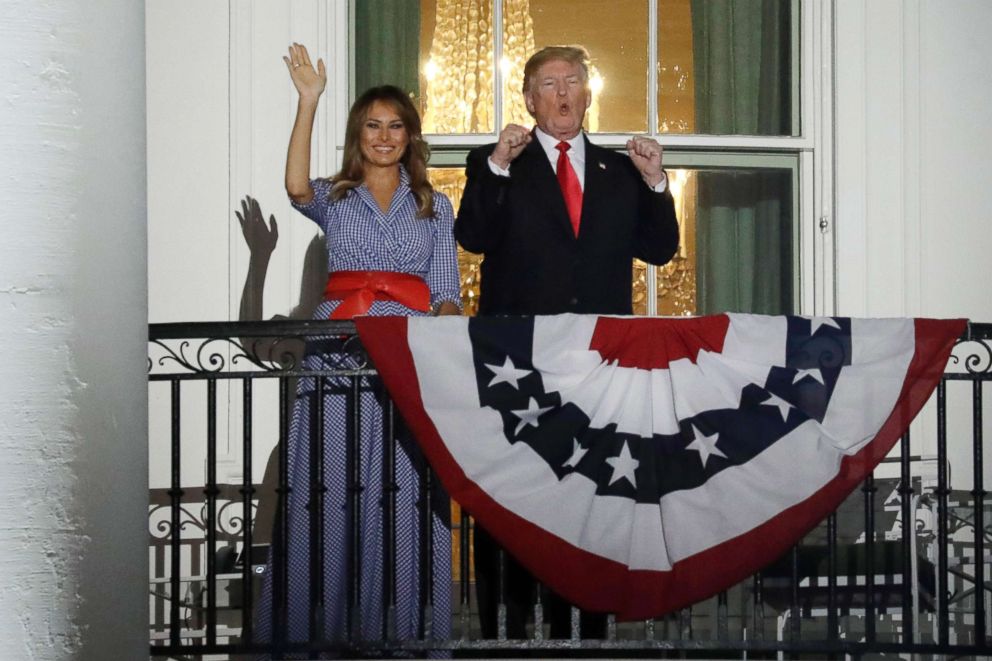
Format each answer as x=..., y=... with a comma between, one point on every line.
x=550, y=144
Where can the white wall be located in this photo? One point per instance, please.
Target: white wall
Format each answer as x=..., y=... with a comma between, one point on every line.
x=189, y=222
x=955, y=140
x=914, y=189
x=220, y=109
x=73, y=567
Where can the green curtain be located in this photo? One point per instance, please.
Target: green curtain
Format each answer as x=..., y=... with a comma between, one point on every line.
x=387, y=44
x=741, y=61
x=744, y=242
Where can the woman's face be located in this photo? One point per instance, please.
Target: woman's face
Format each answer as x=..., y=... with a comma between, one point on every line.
x=384, y=136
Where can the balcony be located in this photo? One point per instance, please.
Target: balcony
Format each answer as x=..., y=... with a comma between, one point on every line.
x=901, y=566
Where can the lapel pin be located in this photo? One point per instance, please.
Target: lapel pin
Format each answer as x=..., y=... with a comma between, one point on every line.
x=602, y=165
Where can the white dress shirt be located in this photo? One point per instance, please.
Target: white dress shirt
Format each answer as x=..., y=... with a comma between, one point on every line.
x=576, y=154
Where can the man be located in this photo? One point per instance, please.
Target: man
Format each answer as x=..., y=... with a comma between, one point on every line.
x=559, y=221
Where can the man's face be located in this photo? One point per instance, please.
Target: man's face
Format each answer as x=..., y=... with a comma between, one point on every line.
x=557, y=98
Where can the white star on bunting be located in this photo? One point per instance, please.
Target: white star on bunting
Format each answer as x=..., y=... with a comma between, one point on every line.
x=782, y=405
x=624, y=466
x=529, y=415
x=811, y=373
x=816, y=322
x=577, y=453
x=506, y=373
x=705, y=446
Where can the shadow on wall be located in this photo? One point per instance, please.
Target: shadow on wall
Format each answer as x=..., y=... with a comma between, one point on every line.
x=261, y=238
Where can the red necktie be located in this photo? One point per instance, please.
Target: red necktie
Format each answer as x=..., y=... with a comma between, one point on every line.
x=570, y=187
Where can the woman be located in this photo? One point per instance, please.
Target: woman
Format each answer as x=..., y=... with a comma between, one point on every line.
x=385, y=228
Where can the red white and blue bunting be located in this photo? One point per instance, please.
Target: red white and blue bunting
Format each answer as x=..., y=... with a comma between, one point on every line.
x=638, y=465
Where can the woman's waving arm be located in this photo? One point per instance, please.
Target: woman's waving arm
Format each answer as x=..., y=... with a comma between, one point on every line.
x=310, y=83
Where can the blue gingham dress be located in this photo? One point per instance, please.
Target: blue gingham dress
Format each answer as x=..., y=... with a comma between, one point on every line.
x=361, y=238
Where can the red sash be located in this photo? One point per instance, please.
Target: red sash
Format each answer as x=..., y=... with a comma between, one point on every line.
x=358, y=289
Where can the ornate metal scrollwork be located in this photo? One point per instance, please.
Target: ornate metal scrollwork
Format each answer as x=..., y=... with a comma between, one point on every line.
x=160, y=521
x=973, y=354
x=229, y=520
x=230, y=517
x=285, y=347
x=204, y=358
x=353, y=349
x=270, y=353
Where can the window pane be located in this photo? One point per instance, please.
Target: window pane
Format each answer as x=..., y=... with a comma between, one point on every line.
x=441, y=51
x=726, y=67
x=737, y=249
x=615, y=34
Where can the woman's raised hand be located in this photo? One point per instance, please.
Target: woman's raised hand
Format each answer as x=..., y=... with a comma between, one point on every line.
x=309, y=82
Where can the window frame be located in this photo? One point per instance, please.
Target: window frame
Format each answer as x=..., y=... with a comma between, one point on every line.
x=808, y=153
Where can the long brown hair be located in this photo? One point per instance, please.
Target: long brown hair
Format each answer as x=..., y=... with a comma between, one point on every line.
x=414, y=159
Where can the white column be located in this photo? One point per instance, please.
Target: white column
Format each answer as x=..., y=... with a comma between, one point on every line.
x=73, y=309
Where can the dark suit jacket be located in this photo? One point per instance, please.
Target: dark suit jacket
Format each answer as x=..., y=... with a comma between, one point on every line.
x=533, y=262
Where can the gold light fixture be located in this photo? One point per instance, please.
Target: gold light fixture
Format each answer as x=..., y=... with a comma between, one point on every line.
x=458, y=96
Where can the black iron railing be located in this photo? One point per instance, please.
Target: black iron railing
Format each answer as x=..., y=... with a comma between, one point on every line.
x=900, y=567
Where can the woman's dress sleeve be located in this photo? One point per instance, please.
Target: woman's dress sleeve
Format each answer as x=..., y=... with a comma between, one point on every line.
x=442, y=277
x=318, y=209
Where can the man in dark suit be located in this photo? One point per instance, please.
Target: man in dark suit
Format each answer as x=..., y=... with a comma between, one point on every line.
x=560, y=221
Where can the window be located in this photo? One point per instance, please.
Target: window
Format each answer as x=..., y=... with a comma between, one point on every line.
x=718, y=83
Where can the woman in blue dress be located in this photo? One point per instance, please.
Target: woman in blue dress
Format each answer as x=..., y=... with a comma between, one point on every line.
x=391, y=251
